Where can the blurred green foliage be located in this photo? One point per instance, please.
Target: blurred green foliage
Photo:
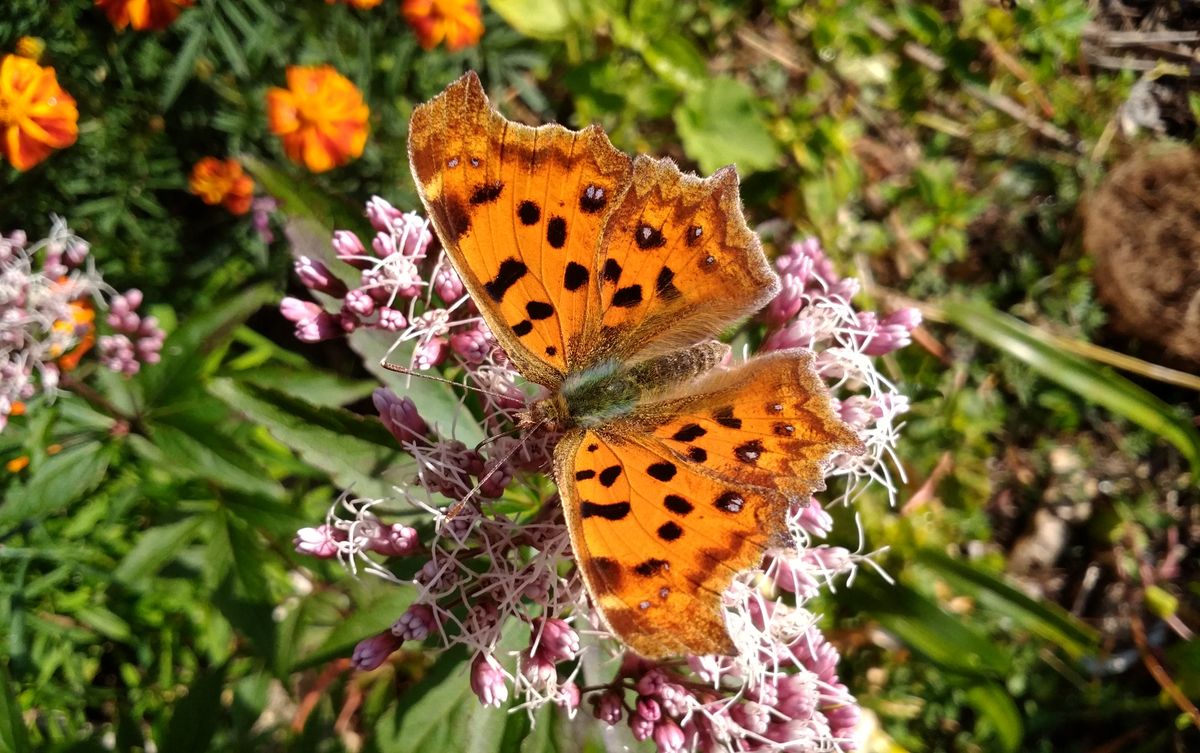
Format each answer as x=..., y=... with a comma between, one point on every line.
x=147, y=583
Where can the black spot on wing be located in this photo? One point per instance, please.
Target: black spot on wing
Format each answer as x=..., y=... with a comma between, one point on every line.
x=458, y=219
x=662, y=471
x=627, y=297
x=592, y=199
x=669, y=531
x=724, y=416
x=606, y=571
x=556, y=232
x=677, y=504
x=522, y=328
x=665, y=285
x=784, y=430
x=487, y=193
x=689, y=432
x=584, y=475
x=575, y=276
x=551, y=351
x=651, y=567
x=539, y=310
x=528, y=213
x=510, y=272
x=729, y=502
x=749, y=452
x=692, y=237
x=648, y=237
x=609, y=475
x=612, y=271
x=612, y=511
x=697, y=454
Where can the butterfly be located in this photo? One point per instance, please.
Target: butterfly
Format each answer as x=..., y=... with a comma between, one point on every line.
x=605, y=279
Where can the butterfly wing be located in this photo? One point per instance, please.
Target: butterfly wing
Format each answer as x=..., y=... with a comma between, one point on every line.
x=677, y=262
x=520, y=211
x=666, y=506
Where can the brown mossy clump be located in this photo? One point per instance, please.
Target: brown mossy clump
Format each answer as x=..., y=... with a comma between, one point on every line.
x=1143, y=228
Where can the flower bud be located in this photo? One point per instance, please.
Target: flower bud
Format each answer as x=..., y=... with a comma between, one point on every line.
x=321, y=542
x=316, y=276
x=487, y=681
x=372, y=652
x=399, y=415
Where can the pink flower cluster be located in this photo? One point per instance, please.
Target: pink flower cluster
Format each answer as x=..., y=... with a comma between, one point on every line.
x=47, y=319
x=506, y=563
x=137, y=339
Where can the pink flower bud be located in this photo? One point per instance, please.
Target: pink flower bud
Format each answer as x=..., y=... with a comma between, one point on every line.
x=316, y=276
x=608, y=707
x=641, y=727
x=394, y=540
x=648, y=709
x=415, y=624
x=391, y=320
x=372, y=652
x=382, y=214
x=753, y=716
x=472, y=345
x=359, y=303
x=448, y=285
x=787, y=303
x=321, y=327
x=296, y=310
x=668, y=737
x=321, y=542
x=399, y=415
x=569, y=697
x=487, y=681
x=430, y=353
x=350, y=249
x=538, y=669
x=812, y=518
x=652, y=682
x=555, y=639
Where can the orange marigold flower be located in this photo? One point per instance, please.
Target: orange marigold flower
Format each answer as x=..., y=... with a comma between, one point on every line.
x=321, y=117
x=82, y=327
x=222, y=182
x=17, y=409
x=36, y=115
x=31, y=47
x=143, y=14
x=457, y=22
x=17, y=464
x=361, y=4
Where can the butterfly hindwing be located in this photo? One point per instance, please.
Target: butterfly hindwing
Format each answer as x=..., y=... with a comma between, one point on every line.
x=657, y=543
x=520, y=210
x=667, y=505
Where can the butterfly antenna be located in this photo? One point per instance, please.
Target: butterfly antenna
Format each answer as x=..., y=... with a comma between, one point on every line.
x=458, y=506
x=414, y=373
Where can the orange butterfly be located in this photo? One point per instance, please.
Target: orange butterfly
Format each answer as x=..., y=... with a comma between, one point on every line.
x=604, y=278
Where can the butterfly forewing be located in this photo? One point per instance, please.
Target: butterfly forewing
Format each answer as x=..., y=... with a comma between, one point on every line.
x=520, y=210
x=677, y=262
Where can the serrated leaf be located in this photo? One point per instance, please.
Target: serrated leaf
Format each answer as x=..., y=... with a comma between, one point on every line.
x=720, y=125
x=156, y=547
x=57, y=482
x=205, y=452
x=357, y=452
x=1044, y=619
x=1094, y=383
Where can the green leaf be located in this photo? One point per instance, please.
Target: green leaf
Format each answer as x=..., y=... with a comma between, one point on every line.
x=383, y=603
x=999, y=713
x=1042, y=618
x=357, y=452
x=300, y=199
x=540, y=19
x=196, y=450
x=720, y=124
x=941, y=637
x=14, y=738
x=57, y=482
x=194, y=719
x=185, y=65
x=155, y=548
x=1094, y=383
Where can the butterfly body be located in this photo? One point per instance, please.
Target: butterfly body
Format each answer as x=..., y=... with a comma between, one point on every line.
x=611, y=390
x=605, y=278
